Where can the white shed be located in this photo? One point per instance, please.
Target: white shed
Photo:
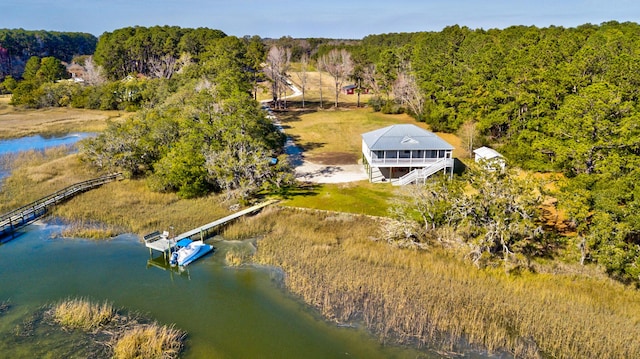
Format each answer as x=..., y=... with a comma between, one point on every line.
x=488, y=155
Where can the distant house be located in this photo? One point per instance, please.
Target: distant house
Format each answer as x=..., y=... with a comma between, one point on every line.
x=404, y=154
x=488, y=156
x=77, y=72
x=351, y=89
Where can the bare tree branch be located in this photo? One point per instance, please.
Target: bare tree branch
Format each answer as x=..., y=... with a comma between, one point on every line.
x=278, y=60
x=339, y=65
x=303, y=74
x=406, y=90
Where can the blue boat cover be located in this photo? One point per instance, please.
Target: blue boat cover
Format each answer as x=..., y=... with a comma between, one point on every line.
x=183, y=242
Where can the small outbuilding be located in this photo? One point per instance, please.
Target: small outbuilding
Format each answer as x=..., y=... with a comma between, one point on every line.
x=488, y=156
x=351, y=89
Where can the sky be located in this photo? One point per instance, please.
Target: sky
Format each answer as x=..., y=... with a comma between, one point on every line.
x=339, y=19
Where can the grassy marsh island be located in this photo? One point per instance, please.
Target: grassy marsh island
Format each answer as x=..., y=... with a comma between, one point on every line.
x=124, y=336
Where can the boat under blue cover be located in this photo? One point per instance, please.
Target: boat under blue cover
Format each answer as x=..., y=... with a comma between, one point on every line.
x=189, y=251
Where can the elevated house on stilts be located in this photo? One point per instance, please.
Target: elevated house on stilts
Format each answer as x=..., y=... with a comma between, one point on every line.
x=404, y=154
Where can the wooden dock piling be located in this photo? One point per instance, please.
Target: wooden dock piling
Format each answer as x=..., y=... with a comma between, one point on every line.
x=162, y=243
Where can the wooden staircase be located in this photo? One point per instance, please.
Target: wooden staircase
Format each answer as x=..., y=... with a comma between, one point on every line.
x=421, y=174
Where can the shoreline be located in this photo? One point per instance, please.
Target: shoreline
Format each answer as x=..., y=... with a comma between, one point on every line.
x=338, y=263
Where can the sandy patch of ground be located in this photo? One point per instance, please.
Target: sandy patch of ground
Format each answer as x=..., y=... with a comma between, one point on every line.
x=320, y=173
x=333, y=158
x=334, y=167
x=329, y=167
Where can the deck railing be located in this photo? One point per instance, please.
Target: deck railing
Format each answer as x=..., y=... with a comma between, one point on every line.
x=421, y=174
x=22, y=216
x=402, y=161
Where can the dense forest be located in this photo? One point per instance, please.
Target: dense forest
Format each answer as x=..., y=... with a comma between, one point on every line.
x=17, y=46
x=199, y=129
x=553, y=100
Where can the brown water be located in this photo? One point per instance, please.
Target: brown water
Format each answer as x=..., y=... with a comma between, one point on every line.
x=227, y=312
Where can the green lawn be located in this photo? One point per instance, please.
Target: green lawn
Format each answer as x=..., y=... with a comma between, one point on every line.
x=357, y=197
x=336, y=134
x=336, y=130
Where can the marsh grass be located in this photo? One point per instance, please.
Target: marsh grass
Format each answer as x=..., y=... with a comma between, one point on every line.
x=17, y=122
x=90, y=230
x=339, y=265
x=80, y=313
x=149, y=342
x=245, y=227
x=129, y=205
x=126, y=336
x=7, y=160
x=238, y=255
x=35, y=174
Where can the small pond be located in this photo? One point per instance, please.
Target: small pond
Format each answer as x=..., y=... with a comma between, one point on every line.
x=38, y=142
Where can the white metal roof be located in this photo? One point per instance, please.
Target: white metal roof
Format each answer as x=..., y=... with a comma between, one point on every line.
x=486, y=153
x=404, y=137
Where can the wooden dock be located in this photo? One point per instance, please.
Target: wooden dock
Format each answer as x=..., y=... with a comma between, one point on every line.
x=11, y=221
x=161, y=242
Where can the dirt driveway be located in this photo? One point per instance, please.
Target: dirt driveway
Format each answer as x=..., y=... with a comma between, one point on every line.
x=319, y=173
x=324, y=168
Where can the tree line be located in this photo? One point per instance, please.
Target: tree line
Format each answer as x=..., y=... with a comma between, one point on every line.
x=199, y=131
x=559, y=100
x=18, y=45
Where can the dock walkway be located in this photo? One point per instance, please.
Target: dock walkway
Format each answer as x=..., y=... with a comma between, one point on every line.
x=162, y=243
x=11, y=221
